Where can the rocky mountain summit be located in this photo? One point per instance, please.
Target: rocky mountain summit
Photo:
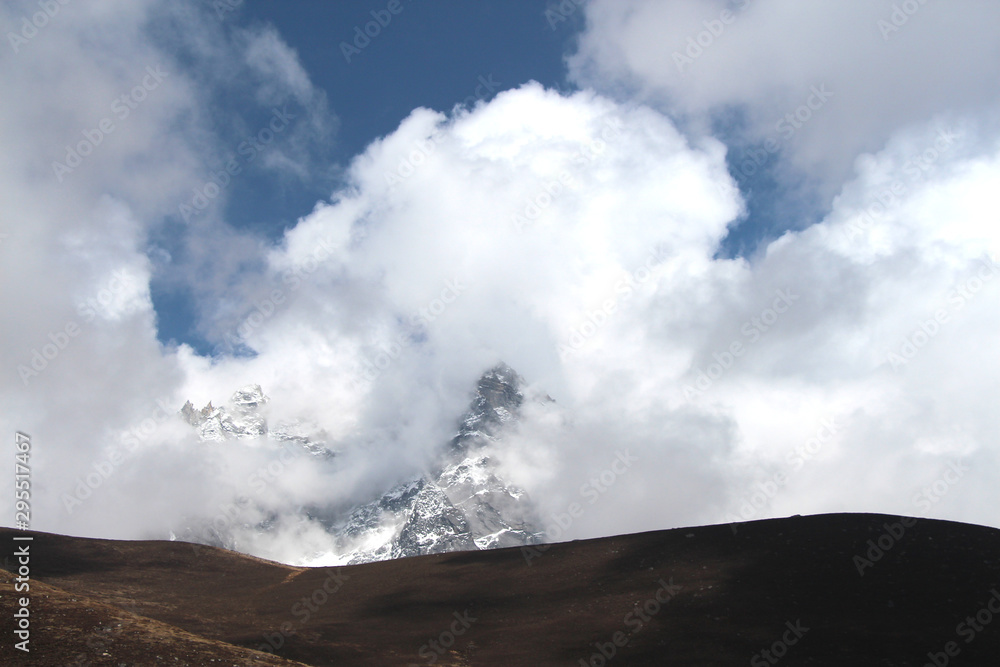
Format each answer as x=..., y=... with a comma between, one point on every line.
x=240, y=419
x=461, y=504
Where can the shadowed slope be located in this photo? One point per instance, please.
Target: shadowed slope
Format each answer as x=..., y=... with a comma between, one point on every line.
x=712, y=596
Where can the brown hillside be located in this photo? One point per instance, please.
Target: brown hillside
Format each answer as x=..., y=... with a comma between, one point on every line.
x=787, y=586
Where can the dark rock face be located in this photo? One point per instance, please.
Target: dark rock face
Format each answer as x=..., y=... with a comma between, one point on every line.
x=434, y=526
x=497, y=400
x=463, y=504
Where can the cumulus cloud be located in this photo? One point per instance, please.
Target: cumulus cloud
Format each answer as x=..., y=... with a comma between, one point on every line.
x=574, y=236
x=103, y=139
x=885, y=64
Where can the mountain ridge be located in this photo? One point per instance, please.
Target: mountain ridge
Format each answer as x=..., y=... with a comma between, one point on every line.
x=461, y=503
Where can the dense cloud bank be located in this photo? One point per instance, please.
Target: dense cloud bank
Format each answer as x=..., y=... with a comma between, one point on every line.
x=848, y=367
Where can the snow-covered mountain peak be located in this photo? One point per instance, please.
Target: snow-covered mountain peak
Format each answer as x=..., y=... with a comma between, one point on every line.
x=237, y=419
x=496, y=403
x=248, y=398
x=460, y=503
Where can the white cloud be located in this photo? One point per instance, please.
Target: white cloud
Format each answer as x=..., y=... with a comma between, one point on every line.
x=764, y=56
x=816, y=316
x=97, y=92
x=570, y=235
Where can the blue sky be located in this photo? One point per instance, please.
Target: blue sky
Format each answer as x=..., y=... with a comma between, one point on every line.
x=434, y=55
